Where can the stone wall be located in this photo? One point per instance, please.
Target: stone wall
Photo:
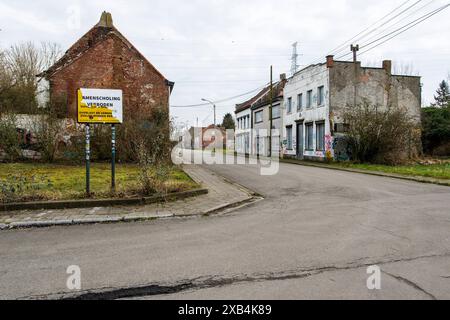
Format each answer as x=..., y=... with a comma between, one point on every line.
x=376, y=85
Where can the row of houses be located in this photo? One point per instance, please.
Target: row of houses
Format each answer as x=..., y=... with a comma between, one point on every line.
x=307, y=109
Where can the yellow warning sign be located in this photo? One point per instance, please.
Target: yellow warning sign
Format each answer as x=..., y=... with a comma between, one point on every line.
x=102, y=106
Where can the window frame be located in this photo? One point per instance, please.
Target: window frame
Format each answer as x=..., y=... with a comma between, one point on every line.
x=256, y=116
x=289, y=105
x=321, y=96
x=309, y=99
x=309, y=147
x=290, y=138
x=300, y=102
x=277, y=107
x=320, y=143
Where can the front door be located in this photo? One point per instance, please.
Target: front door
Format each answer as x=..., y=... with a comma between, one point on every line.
x=300, y=140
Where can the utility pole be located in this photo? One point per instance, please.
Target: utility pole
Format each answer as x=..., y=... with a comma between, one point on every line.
x=270, y=111
x=355, y=50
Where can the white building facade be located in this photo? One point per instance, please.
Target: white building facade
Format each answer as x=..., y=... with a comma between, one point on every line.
x=243, y=131
x=306, y=129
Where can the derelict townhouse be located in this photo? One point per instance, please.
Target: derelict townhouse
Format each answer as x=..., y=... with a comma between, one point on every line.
x=104, y=59
x=254, y=121
x=313, y=101
x=316, y=97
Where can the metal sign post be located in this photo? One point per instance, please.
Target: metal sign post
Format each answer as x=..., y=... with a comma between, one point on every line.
x=113, y=161
x=88, y=160
x=100, y=106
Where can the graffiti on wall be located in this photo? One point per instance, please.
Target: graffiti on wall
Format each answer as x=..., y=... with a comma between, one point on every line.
x=329, y=147
x=341, y=149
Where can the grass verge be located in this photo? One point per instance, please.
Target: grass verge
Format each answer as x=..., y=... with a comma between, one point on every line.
x=439, y=171
x=436, y=171
x=67, y=182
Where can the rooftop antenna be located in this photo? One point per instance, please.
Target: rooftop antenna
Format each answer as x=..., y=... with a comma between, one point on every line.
x=294, y=59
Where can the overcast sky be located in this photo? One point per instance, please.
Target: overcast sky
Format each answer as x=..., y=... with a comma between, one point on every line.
x=221, y=48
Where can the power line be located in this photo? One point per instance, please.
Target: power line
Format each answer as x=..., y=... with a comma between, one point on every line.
x=377, y=28
x=222, y=100
x=363, y=31
x=396, y=32
x=426, y=17
x=219, y=81
x=395, y=24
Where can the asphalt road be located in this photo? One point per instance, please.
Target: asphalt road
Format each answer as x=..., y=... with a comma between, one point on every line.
x=313, y=237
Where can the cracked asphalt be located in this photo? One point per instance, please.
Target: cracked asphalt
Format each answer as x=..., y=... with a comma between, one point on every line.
x=312, y=237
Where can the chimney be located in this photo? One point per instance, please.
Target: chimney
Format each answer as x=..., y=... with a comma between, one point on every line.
x=387, y=65
x=106, y=20
x=330, y=61
x=283, y=76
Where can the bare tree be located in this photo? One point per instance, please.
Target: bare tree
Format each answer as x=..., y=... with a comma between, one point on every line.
x=406, y=69
x=378, y=135
x=19, y=66
x=6, y=76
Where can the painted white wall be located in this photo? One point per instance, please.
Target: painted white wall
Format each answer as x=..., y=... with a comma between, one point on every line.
x=43, y=93
x=310, y=78
x=243, y=132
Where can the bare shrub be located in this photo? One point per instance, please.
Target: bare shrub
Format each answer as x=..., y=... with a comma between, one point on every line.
x=19, y=66
x=9, y=139
x=378, y=135
x=153, y=147
x=49, y=133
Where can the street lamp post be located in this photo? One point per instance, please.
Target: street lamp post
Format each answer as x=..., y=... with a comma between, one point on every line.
x=214, y=106
x=215, y=122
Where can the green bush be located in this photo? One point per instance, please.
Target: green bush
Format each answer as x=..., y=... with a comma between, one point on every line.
x=436, y=131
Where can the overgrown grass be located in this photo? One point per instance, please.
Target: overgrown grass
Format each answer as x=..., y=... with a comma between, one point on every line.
x=68, y=182
x=437, y=171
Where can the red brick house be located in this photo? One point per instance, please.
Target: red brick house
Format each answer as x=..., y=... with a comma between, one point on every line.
x=104, y=59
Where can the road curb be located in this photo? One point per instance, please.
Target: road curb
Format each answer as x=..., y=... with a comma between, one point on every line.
x=372, y=173
x=253, y=197
x=79, y=204
x=125, y=219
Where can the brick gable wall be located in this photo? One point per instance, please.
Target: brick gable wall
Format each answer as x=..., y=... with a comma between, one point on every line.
x=112, y=64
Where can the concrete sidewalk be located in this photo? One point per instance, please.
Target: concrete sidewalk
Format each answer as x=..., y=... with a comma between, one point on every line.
x=222, y=195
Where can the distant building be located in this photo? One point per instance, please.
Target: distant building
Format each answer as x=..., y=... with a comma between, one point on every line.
x=244, y=124
x=253, y=121
x=315, y=97
x=104, y=59
x=197, y=138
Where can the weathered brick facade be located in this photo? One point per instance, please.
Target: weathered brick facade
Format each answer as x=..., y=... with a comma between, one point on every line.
x=104, y=59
